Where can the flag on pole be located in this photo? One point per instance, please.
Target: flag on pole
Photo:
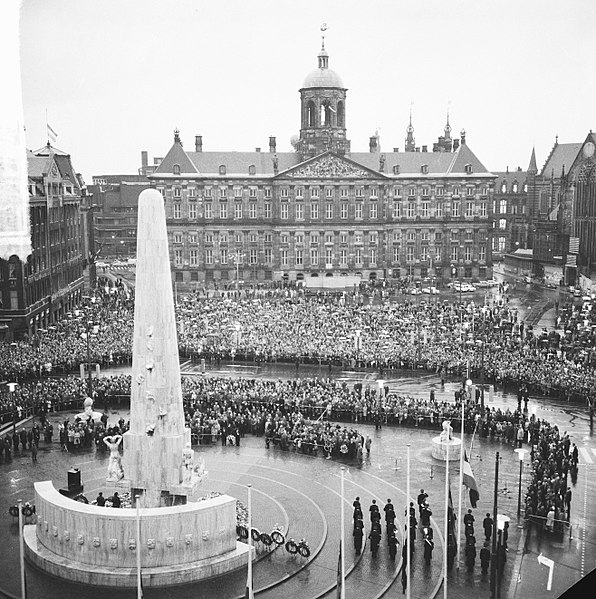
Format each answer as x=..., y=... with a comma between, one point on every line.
x=451, y=518
x=52, y=135
x=340, y=580
x=470, y=482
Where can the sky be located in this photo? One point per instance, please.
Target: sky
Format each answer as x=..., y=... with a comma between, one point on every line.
x=116, y=77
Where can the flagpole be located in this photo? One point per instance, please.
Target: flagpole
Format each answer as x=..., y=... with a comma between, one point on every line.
x=249, y=594
x=21, y=549
x=139, y=580
x=408, y=525
x=342, y=540
x=446, y=524
x=461, y=477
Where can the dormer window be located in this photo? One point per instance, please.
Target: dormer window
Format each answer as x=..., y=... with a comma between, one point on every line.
x=176, y=169
x=515, y=187
x=222, y=169
x=252, y=169
x=504, y=187
x=396, y=169
x=424, y=169
x=468, y=168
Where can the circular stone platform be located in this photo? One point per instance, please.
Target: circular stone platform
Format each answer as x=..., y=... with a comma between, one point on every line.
x=439, y=448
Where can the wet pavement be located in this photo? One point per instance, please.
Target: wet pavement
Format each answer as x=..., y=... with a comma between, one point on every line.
x=303, y=493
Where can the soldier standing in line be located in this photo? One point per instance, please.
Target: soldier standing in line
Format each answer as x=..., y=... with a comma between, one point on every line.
x=358, y=534
x=429, y=545
x=484, y=559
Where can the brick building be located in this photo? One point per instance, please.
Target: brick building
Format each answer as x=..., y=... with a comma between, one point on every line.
x=36, y=293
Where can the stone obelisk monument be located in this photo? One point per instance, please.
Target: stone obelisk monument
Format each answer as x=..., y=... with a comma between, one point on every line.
x=157, y=460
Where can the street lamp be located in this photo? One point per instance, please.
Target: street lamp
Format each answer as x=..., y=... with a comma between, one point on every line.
x=11, y=388
x=237, y=326
x=480, y=344
x=357, y=334
x=87, y=335
x=520, y=454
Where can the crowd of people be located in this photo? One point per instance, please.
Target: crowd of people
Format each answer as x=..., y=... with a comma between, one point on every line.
x=284, y=325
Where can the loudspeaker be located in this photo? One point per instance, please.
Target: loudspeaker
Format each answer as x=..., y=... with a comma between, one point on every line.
x=74, y=481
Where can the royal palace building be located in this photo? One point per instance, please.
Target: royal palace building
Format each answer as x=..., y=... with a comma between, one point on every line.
x=323, y=211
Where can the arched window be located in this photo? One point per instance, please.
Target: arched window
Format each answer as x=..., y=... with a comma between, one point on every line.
x=341, y=114
x=310, y=114
x=222, y=169
x=504, y=187
x=176, y=169
x=252, y=170
x=514, y=187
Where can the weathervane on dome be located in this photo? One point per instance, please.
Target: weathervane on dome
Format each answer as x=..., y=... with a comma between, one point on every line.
x=323, y=29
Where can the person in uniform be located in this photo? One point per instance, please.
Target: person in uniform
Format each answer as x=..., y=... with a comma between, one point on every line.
x=358, y=534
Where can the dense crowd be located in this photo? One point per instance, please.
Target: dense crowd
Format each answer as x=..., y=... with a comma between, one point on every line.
x=290, y=326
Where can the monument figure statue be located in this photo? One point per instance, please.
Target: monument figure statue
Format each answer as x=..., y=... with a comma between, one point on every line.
x=188, y=455
x=88, y=407
x=447, y=433
x=115, y=471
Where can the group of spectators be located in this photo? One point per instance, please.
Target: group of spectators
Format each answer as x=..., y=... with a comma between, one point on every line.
x=555, y=463
x=287, y=325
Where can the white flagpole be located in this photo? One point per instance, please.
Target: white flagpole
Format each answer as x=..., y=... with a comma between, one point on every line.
x=21, y=550
x=408, y=521
x=461, y=479
x=446, y=524
x=249, y=579
x=342, y=539
x=139, y=580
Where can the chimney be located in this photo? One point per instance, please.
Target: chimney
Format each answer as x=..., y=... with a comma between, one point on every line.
x=257, y=149
x=455, y=144
x=425, y=148
x=144, y=158
x=272, y=144
x=198, y=143
x=396, y=150
x=373, y=144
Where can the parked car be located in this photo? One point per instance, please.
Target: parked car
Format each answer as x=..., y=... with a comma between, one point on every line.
x=466, y=287
x=430, y=290
x=102, y=264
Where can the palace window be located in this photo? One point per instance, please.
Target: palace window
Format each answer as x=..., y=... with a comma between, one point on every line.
x=314, y=211
x=194, y=257
x=373, y=208
x=252, y=210
x=238, y=210
x=329, y=210
x=208, y=210
x=299, y=211
x=283, y=211
x=177, y=211
x=192, y=211
x=223, y=255
x=343, y=207
x=223, y=210
x=267, y=210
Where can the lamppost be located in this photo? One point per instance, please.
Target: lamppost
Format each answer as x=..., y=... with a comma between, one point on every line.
x=237, y=327
x=357, y=341
x=90, y=327
x=520, y=454
x=11, y=389
x=237, y=256
x=481, y=344
x=380, y=383
x=493, y=561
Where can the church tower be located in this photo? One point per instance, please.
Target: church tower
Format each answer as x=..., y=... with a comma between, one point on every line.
x=323, y=110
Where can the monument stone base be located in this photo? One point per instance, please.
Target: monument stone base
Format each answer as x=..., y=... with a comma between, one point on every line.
x=97, y=545
x=439, y=448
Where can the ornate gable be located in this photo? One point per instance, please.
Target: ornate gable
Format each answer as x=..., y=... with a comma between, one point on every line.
x=330, y=165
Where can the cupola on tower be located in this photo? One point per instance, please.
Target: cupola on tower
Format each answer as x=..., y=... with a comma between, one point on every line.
x=323, y=110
